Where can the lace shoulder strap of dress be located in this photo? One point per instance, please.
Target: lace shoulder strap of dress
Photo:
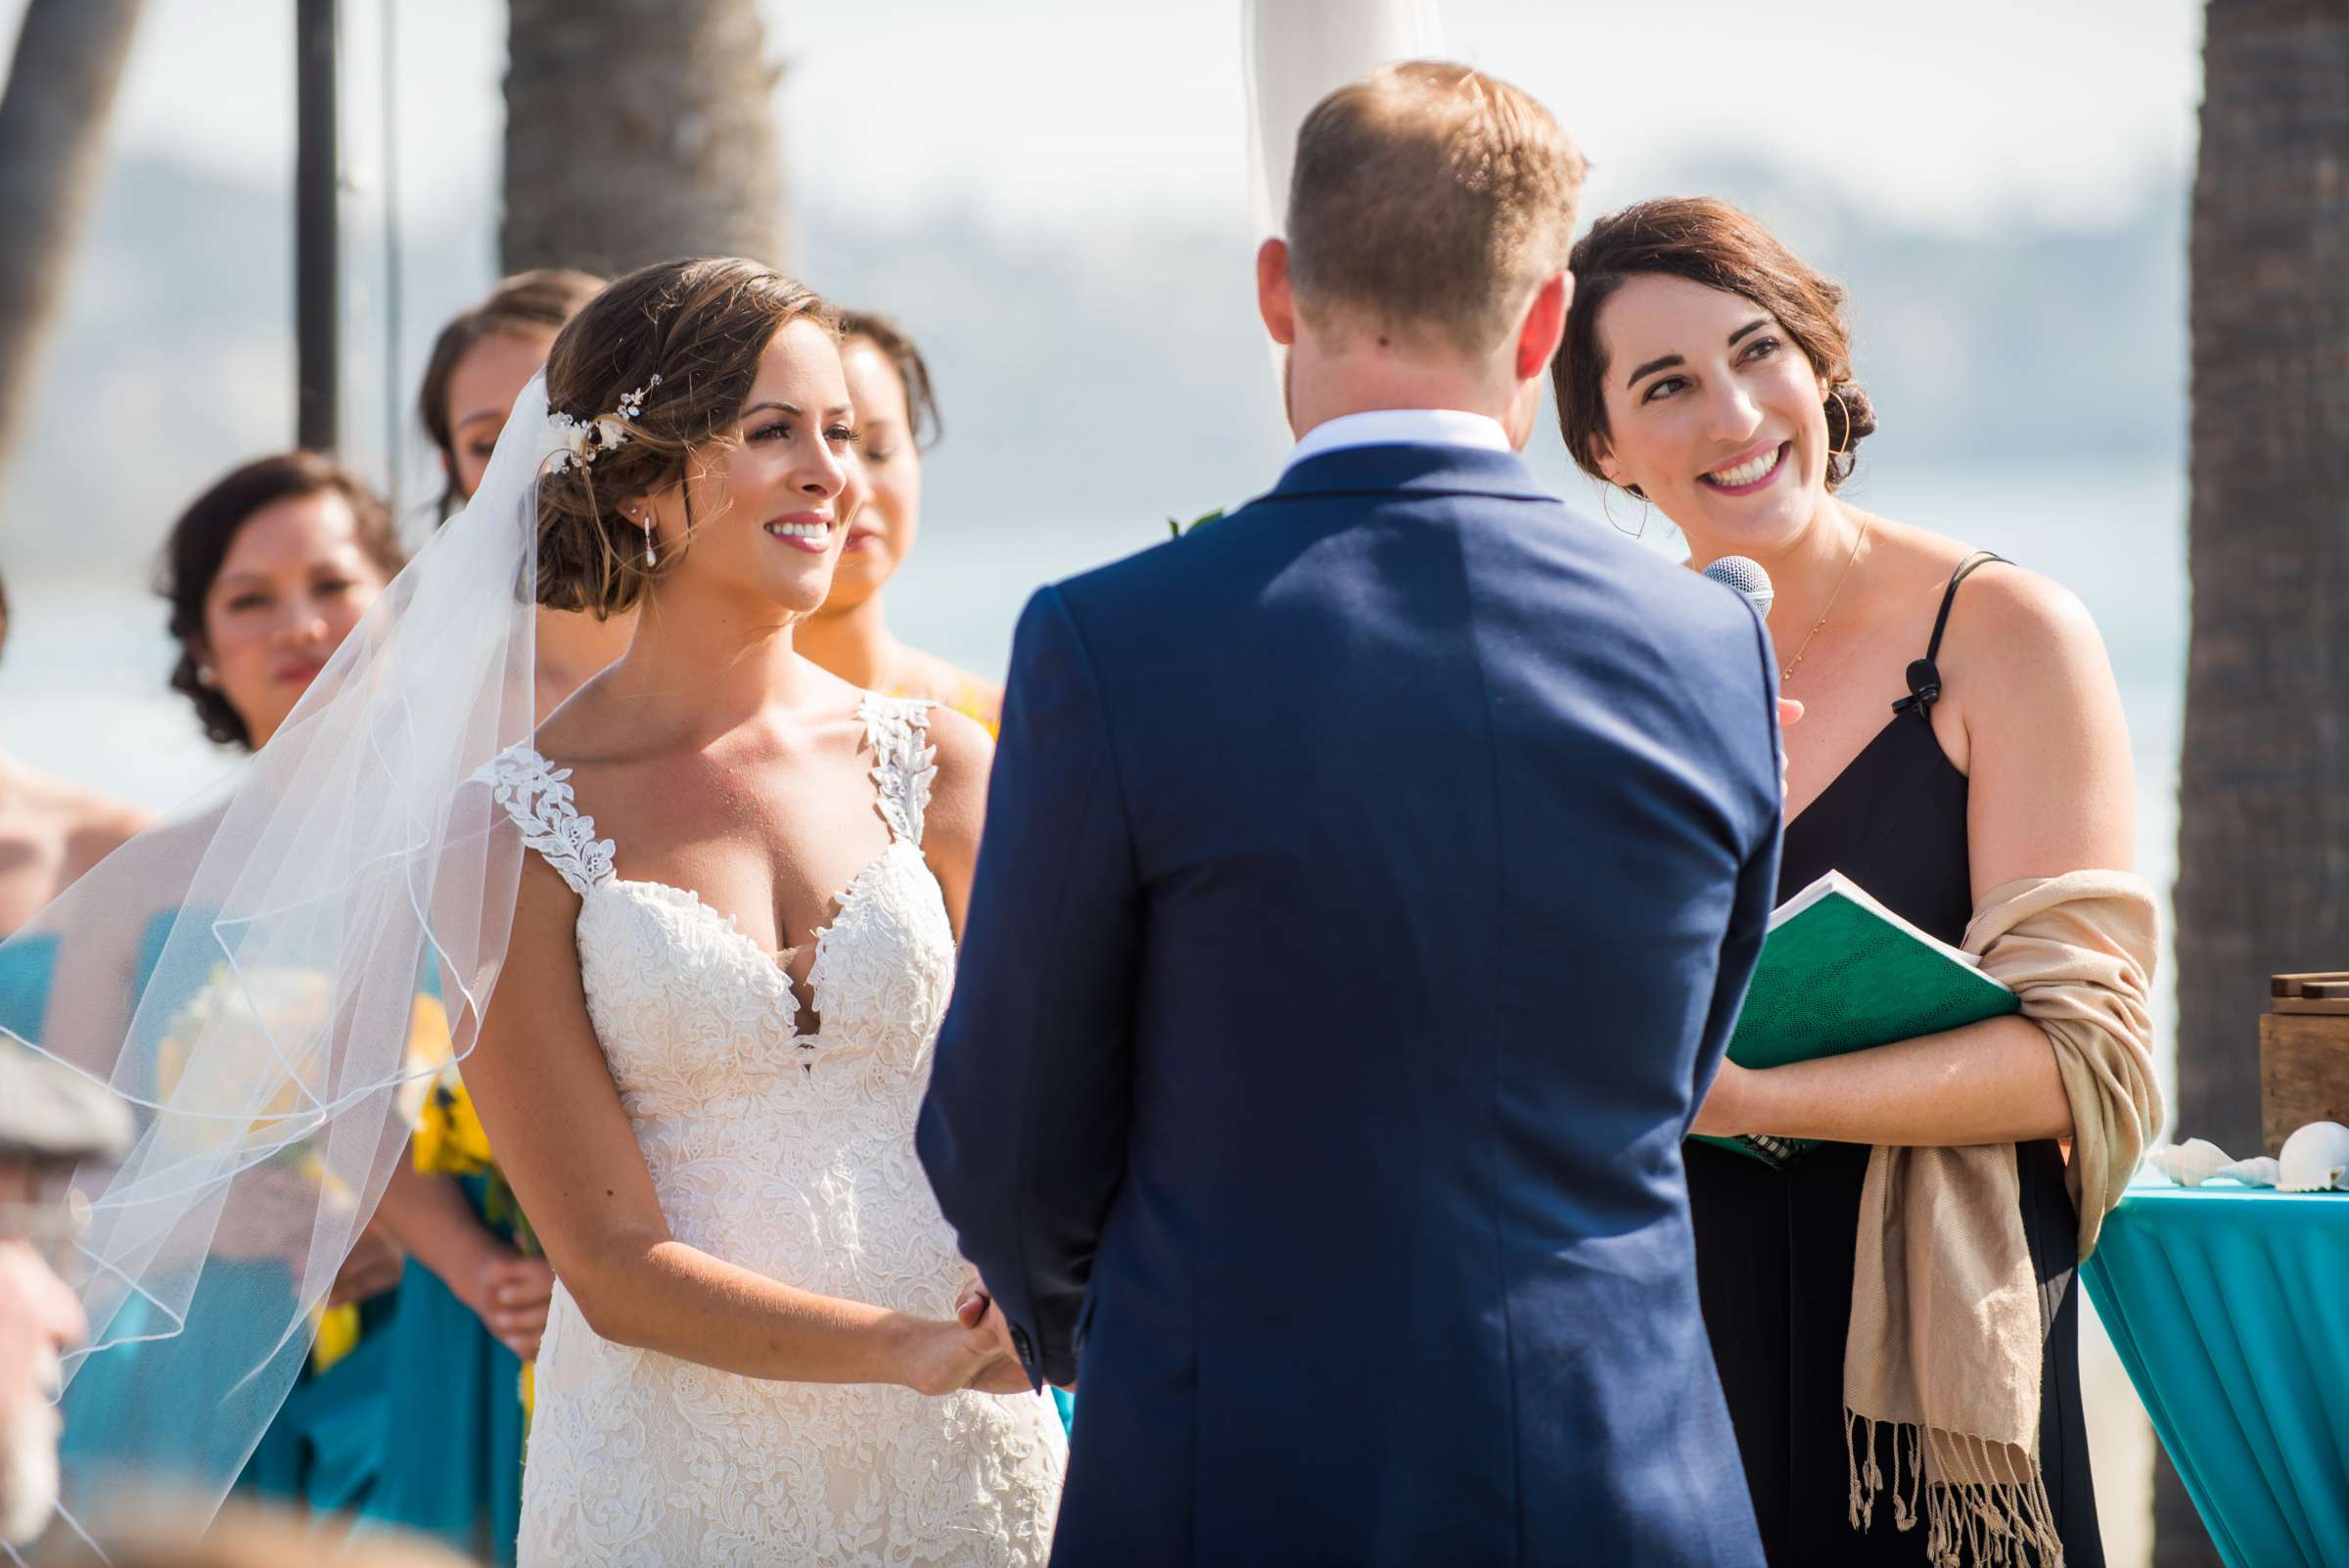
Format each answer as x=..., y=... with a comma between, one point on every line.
x=537, y=797
x=1924, y=675
x=897, y=729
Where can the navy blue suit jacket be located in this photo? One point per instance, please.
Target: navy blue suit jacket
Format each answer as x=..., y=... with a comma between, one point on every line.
x=1369, y=883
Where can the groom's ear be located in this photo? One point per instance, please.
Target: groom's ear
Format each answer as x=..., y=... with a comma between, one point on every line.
x=1545, y=325
x=1273, y=302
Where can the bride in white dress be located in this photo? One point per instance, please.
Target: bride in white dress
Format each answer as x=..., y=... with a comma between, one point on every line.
x=731, y=950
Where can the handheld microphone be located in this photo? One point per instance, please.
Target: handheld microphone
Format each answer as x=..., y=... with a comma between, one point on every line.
x=1746, y=577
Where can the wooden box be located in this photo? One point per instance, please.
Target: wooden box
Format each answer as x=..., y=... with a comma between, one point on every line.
x=2303, y=1055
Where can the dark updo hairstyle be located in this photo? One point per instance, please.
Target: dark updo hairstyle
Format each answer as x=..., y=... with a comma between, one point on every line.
x=538, y=301
x=700, y=327
x=1711, y=243
x=199, y=543
x=921, y=399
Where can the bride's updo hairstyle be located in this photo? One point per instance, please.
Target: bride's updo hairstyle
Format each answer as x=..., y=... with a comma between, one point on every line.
x=699, y=326
x=1711, y=243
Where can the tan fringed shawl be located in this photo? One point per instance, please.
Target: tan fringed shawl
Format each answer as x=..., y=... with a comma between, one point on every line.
x=1945, y=1338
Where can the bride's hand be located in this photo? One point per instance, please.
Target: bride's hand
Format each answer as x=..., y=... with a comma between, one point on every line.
x=944, y=1357
x=1006, y=1376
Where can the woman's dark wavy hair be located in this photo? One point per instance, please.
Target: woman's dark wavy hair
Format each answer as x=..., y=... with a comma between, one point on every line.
x=1711, y=243
x=199, y=540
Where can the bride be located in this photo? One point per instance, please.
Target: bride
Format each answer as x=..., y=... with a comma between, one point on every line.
x=694, y=939
x=729, y=956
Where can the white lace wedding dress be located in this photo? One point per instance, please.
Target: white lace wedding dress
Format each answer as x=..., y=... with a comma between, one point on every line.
x=791, y=1155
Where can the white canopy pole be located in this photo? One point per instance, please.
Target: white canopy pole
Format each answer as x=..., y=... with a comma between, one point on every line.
x=1297, y=51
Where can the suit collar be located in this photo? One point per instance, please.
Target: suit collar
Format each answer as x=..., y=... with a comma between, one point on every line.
x=1412, y=468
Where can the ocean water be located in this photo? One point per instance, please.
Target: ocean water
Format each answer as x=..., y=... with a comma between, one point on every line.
x=83, y=694
x=83, y=690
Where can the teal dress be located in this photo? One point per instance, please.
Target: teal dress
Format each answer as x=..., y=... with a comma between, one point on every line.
x=26, y=966
x=452, y=1425
x=453, y=1413
x=323, y=1448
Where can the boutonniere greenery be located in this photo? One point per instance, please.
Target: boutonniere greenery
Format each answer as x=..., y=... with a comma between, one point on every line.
x=1179, y=530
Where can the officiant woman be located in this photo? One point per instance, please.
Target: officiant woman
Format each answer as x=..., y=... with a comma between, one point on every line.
x=1963, y=759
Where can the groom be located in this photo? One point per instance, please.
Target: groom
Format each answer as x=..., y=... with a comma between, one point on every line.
x=1369, y=883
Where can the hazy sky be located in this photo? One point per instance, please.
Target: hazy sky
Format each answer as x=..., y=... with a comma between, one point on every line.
x=1045, y=113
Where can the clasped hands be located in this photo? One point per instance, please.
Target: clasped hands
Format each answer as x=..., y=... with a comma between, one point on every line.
x=971, y=1351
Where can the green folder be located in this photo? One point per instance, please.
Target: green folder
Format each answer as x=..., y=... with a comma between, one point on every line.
x=1839, y=972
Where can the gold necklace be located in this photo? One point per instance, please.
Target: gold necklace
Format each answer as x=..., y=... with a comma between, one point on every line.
x=1787, y=674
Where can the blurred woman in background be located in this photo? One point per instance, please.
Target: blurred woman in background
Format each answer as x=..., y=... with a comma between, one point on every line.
x=265, y=573
x=897, y=419
x=474, y=1299
x=50, y=833
x=479, y=362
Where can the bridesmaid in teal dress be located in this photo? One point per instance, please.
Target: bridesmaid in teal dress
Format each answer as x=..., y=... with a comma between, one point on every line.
x=472, y=1304
x=265, y=573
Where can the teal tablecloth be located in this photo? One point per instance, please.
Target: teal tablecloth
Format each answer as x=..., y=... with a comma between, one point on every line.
x=2229, y=1307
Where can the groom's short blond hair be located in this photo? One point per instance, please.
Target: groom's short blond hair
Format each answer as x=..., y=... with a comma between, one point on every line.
x=1429, y=195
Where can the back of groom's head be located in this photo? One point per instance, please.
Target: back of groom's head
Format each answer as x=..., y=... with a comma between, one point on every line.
x=1429, y=195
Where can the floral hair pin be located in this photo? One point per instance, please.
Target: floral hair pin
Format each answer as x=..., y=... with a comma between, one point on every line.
x=582, y=439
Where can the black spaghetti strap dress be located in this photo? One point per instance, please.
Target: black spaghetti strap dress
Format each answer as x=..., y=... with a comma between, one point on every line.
x=1774, y=1248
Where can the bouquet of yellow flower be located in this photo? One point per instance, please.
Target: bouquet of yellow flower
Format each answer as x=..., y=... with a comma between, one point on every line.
x=450, y=1140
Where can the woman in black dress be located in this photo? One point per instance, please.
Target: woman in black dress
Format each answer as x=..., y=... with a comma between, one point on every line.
x=1961, y=731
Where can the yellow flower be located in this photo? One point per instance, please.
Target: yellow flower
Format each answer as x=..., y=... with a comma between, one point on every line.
x=450, y=1138
x=529, y=1389
x=338, y=1336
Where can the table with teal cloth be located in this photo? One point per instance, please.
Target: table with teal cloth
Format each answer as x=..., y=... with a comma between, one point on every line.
x=2230, y=1308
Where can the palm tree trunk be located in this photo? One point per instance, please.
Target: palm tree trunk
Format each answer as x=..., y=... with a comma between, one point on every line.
x=2263, y=839
x=637, y=130
x=60, y=89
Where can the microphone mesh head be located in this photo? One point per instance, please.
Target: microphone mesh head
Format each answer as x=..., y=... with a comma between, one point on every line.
x=1746, y=577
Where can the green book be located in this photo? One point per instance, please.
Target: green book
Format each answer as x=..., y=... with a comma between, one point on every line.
x=1839, y=972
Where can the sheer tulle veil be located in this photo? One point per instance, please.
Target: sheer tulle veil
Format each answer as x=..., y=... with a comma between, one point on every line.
x=267, y=977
